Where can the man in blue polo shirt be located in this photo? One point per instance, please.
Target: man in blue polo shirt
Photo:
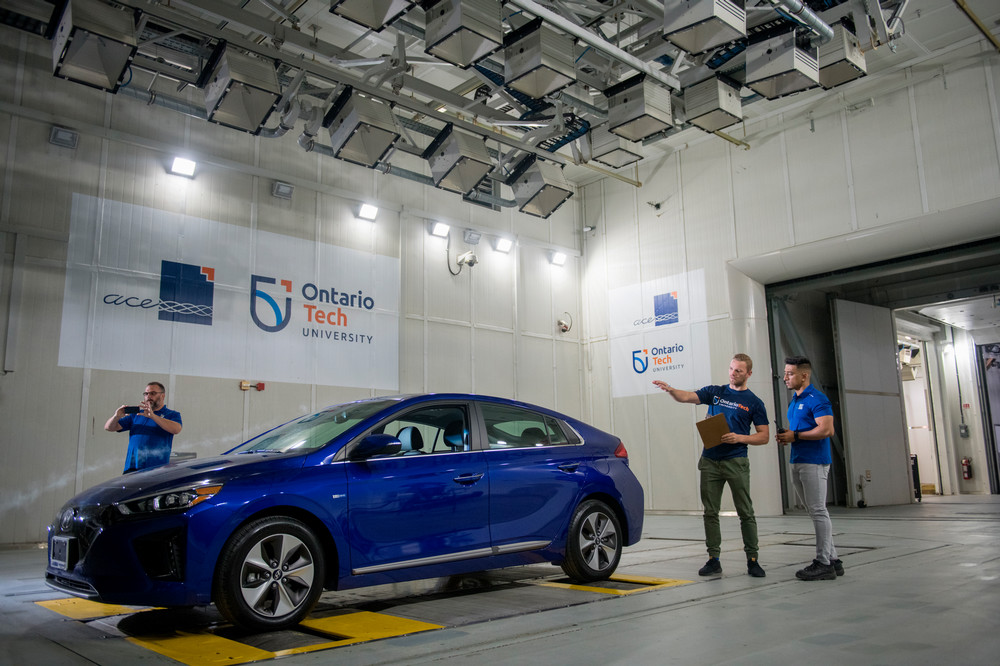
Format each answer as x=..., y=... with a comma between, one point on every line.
x=728, y=462
x=810, y=425
x=150, y=432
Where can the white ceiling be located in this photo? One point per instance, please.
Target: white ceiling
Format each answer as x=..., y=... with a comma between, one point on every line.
x=969, y=314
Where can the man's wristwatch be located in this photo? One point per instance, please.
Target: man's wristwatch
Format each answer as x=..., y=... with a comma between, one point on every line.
x=795, y=435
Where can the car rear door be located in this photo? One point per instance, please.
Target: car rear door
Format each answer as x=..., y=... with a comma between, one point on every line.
x=423, y=506
x=537, y=471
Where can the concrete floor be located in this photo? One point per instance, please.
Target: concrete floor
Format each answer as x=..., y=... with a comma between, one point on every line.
x=922, y=587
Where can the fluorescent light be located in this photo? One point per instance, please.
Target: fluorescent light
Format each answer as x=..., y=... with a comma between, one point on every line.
x=183, y=167
x=557, y=258
x=440, y=229
x=502, y=244
x=368, y=212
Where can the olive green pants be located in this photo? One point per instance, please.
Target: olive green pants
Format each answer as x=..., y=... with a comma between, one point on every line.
x=715, y=474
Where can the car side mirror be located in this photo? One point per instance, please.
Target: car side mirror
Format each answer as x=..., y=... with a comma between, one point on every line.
x=376, y=445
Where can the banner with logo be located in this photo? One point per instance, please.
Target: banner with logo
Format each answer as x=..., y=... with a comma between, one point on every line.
x=159, y=292
x=659, y=331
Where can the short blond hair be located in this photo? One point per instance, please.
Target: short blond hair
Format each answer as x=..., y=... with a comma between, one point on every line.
x=744, y=359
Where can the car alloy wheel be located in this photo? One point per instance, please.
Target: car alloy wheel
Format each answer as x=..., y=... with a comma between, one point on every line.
x=594, y=545
x=270, y=574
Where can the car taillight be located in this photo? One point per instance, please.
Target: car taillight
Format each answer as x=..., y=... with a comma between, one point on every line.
x=620, y=452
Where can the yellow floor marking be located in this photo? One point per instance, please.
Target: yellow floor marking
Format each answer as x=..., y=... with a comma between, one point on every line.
x=202, y=649
x=83, y=609
x=650, y=584
x=366, y=626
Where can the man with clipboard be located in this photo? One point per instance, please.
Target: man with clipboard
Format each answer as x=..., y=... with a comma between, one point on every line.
x=724, y=458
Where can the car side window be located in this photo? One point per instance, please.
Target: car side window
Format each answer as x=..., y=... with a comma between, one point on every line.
x=513, y=427
x=433, y=429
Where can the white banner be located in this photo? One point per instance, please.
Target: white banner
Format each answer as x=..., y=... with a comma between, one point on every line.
x=659, y=331
x=159, y=292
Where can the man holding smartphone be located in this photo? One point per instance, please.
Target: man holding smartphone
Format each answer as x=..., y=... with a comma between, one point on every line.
x=151, y=428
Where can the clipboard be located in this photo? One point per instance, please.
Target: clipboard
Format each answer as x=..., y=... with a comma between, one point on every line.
x=712, y=429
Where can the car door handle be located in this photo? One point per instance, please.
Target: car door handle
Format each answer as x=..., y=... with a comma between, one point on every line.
x=569, y=468
x=468, y=479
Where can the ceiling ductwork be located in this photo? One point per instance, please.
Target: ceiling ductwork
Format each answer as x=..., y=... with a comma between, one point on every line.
x=480, y=89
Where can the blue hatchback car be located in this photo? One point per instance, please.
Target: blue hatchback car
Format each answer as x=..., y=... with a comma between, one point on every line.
x=364, y=493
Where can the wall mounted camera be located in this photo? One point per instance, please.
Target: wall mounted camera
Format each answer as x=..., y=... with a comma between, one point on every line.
x=467, y=259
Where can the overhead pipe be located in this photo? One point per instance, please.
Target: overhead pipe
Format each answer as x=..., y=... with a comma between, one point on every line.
x=602, y=45
x=807, y=17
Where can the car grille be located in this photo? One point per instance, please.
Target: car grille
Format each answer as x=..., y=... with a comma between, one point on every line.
x=162, y=554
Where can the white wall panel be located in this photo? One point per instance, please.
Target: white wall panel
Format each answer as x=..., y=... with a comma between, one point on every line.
x=449, y=353
x=659, y=215
x=412, y=355
x=957, y=138
x=448, y=296
x=594, y=263
x=884, y=161
x=569, y=379
x=493, y=283
x=760, y=194
x=535, y=377
x=630, y=426
x=621, y=237
x=597, y=371
x=817, y=175
x=674, y=449
x=535, y=290
x=709, y=232
x=493, y=369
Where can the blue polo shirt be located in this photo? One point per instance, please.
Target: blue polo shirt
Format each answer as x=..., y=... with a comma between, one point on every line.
x=802, y=413
x=148, y=444
x=741, y=409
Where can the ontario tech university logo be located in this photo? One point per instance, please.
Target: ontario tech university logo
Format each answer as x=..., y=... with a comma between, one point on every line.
x=187, y=294
x=281, y=315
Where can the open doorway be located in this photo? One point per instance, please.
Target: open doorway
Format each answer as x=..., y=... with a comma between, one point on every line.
x=945, y=309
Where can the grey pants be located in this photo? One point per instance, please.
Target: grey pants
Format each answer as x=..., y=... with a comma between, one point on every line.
x=809, y=482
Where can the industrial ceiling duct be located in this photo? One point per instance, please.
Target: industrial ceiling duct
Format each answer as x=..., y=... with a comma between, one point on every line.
x=699, y=25
x=612, y=150
x=362, y=129
x=462, y=32
x=781, y=66
x=538, y=60
x=374, y=14
x=242, y=92
x=713, y=104
x=94, y=44
x=841, y=59
x=539, y=187
x=638, y=109
x=458, y=161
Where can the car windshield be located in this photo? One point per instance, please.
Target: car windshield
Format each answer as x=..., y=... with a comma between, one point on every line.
x=313, y=430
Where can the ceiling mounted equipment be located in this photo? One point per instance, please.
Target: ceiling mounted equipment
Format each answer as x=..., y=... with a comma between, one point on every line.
x=699, y=25
x=458, y=161
x=713, y=104
x=612, y=150
x=373, y=14
x=638, y=108
x=538, y=61
x=841, y=59
x=243, y=91
x=94, y=44
x=539, y=187
x=781, y=66
x=462, y=32
x=362, y=129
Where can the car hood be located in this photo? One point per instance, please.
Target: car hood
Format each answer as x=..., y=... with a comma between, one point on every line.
x=204, y=471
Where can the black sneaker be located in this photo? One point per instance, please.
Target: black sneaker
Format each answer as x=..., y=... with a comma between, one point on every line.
x=712, y=568
x=838, y=567
x=817, y=571
x=754, y=569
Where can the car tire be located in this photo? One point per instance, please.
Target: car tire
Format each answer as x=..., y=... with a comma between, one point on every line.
x=594, y=543
x=270, y=574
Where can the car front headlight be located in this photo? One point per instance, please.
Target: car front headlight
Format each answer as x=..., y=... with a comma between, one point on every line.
x=177, y=499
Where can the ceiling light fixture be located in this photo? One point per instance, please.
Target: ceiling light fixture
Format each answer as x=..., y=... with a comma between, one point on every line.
x=63, y=137
x=282, y=190
x=503, y=244
x=368, y=212
x=181, y=166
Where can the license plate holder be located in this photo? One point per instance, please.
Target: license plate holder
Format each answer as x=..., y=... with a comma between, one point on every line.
x=61, y=552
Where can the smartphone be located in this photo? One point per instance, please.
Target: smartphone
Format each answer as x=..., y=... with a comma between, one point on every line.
x=132, y=409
